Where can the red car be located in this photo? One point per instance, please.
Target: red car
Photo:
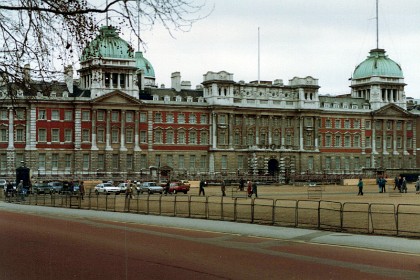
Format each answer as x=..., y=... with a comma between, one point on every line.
x=177, y=187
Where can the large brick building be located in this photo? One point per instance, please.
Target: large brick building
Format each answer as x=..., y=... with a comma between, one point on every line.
x=114, y=122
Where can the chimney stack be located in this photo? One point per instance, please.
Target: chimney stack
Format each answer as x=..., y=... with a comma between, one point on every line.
x=68, y=78
x=176, y=81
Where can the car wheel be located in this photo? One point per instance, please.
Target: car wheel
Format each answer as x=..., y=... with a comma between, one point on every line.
x=185, y=192
x=150, y=192
x=174, y=191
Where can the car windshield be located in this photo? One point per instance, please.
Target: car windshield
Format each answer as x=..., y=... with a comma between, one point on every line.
x=108, y=185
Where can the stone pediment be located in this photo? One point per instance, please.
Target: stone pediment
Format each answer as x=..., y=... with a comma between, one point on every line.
x=391, y=110
x=117, y=98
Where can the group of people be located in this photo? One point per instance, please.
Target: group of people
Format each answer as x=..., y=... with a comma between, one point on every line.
x=251, y=187
x=400, y=183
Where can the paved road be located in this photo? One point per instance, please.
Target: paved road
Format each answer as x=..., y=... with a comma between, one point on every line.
x=55, y=243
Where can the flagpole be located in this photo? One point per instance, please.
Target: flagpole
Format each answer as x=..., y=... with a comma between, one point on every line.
x=258, y=54
x=377, y=25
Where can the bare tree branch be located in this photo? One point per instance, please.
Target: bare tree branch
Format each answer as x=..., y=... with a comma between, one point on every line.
x=47, y=35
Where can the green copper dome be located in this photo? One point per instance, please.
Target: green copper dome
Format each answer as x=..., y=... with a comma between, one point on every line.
x=378, y=64
x=108, y=44
x=143, y=63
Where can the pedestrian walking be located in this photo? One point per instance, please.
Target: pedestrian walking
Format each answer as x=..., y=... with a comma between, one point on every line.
x=249, y=188
x=223, y=187
x=360, y=185
x=418, y=185
x=202, y=185
x=404, y=185
x=129, y=191
x=381, y=184
x=82, y=190
x=241, y=184
x=254, y=189
x=21, y=190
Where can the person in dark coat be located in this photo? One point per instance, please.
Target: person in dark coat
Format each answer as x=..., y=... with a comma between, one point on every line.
x=254, y=189
x=202, y=185
x=223, y=187
x=360, y=185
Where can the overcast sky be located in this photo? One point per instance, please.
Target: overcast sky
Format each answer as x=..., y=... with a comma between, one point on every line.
x=325, y=39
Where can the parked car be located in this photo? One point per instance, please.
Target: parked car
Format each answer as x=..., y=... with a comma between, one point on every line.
x=55, y=187
x=41, y=188
x=149, y=187
x=106, y=188
x=179, y=187
x=123, y=187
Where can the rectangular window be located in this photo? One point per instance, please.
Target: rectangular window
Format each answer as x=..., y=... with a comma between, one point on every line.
x=3, y=135
x=157, y=160
x=224, y=163
x=42, y=135
x=356, y=124
x=388, y=142
x=399, y=125
x=20, y=158
x=367, y=162
x=54, y=161
x=170, y=160
x=328, y=123
x=192, y=119
x=337, y=142
x=55, y=115
x=367, y=124
x=170, y=118
x=240, y=160
x=115, y=135
x=204, y=139
x=399, y=142
x=203, y=163
x=143, y=161
x=337, y=163
x=409, y=126
x=170, y=137
x=67, y=161
x=68, y=115
x=3, y=115
x=368, y=142
x=378, y=125
x=101, y=162
x=158, y=117
x=100, y=135
x=55, y=135
x=181, y=118
x=378, y=142
x=389, y=125
x=356, y=163
x=347, y=124
x=68, y=135
x=181, y=161
x=129, y=116
x=143, y=117
x=347, y=141
x=20, y=114
x=409, y=143
x=158, y=136
x=356, y=140
x=328, y=163
x=42, y=114
x=86, y=161
x=115, y=116
x=203, y=119
x=20, y=135
x=222, y=138
x=181, y=137
x=337, y=124
x=85, y=135
x=86, y=116
x=222, y=119
x=143, y=136
x=192, y=162
x=192, y=137
x=115, y=162
x=237, y=139
x=347, y=163
x=311, y=163
x=3, y=162
x=41, y=161
x=288, y=139
x=130, y=162
x=100, y=115
x=129, y=134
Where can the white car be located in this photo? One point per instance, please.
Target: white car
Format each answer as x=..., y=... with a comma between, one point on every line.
x=106, y=188
x=123, y=187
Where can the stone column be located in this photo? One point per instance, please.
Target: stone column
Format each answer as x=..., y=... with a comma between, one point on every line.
x=122, y=132
x=301, y=133
x=94, y=147
x=316, y=133
x=270, y=128
x=404, y=124
x=11, y=145
x=214, y=130
x=283, y=131
x=384, y=144
x=257, y=131
x=230, y=130
x=136, y=133
x=374, y=137
x=108, y=146
x=394, y=137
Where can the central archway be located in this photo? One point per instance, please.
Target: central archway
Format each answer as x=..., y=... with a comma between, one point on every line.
x=273, y=167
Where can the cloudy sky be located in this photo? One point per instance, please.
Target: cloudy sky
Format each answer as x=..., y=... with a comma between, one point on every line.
x=325, y=39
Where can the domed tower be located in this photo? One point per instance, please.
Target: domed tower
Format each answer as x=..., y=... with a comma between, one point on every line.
x=379, y=80
x=145, y=73
x=109, y=63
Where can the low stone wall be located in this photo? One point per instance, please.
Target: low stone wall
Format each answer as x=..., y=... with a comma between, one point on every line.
x=353, y=182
